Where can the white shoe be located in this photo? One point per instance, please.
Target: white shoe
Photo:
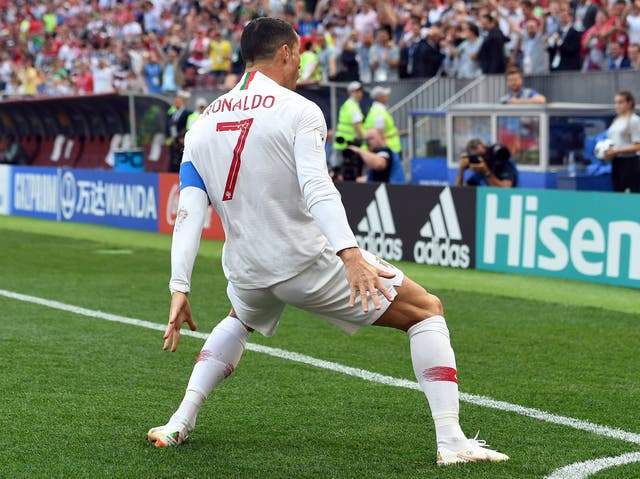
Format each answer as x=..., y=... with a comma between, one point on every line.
x=168, y=436
x=475, y=451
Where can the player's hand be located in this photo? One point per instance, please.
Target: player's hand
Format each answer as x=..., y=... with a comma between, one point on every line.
x=364, y=279
x=179, y=313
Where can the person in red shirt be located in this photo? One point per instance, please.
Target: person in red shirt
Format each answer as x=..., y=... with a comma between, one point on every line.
x=84, y=80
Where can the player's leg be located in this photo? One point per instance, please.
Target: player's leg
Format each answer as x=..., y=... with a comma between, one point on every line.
x=253, y=309
x=217, y=360
x=421, y=315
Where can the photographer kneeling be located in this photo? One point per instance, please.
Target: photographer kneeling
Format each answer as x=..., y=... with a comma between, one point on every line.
x=384, y=165
x=488, y=166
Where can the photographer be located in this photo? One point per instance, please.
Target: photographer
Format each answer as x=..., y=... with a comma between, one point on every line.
x=351, y=163
x=384, y=165
x=487, y=165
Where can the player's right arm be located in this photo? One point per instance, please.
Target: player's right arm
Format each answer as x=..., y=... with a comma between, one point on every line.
x=192, y=211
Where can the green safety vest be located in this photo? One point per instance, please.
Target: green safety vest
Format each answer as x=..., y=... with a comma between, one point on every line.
x=345, y=127
x=191, y=119
x=390, y=131
x=307, y=57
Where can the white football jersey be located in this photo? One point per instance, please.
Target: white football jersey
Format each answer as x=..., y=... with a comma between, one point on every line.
x=259, y=150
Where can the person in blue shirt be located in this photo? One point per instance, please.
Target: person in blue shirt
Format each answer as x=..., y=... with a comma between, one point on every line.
x=518, y=95
x=153, y=73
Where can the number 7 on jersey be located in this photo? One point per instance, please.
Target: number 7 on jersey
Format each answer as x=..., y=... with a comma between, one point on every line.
x=243, y=126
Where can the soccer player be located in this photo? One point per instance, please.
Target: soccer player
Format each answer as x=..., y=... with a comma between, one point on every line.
x=257, y=154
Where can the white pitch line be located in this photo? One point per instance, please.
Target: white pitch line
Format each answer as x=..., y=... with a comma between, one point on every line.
x=582, y=470
x=340, y=368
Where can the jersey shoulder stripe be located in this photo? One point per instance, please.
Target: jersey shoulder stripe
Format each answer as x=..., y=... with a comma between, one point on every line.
x=189, y=176
x=248, y=78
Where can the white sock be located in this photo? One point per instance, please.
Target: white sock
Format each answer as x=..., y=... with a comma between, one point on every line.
x=434, y=364
x=217, y=360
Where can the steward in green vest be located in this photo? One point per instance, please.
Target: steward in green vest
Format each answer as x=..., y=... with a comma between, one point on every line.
x=350, y=117
x=310, y=68
x=201, y=104
x=378, y=117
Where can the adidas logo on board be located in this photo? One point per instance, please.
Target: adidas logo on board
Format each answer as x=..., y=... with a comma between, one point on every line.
x=440, y=230
x=376, y=225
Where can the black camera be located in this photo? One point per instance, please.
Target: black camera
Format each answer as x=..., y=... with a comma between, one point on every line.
x=474, y=158
x=352, y=164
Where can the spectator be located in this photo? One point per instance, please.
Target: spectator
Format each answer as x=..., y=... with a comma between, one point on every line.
x=447, y=48
x=349, y=66
x=519, y=95
x=510, y=17
x=631, y=22
x=427, y=58
x=171, y=72
x=220, y=52
x=614, y=29
x=552, y=18
x=408, y=46
x=634, y=56
x=383, y=165
x=384, y=57
x=326, y=59
x=30, y=78
x=467, y=52
x=624, y=132
x=83, y=79
x=594, y=44
x=367, y=40
x=366, y=20
x=153, y=73
x=584, y=16
x=535, y=59
x=564, y=45
x=491, y=55
x=379, y=118
x=199, y=51
x=486, y=165
x=616, y=60
x=103, y=77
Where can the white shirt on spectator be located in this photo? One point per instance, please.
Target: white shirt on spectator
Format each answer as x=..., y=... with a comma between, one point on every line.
x=103, y=80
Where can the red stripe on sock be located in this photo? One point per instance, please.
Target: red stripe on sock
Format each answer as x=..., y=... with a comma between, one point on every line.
x=204, y=355
x=441, y=373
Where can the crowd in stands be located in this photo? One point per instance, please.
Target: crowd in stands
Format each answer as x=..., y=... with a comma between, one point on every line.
x=70, y=47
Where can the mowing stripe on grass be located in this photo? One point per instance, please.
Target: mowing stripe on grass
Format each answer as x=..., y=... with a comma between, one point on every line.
x=582, y=470
x=360, y=373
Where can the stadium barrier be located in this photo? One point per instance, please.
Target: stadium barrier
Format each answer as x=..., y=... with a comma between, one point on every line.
x=589, y=236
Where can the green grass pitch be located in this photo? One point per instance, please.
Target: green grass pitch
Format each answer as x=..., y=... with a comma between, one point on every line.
x=79, y=393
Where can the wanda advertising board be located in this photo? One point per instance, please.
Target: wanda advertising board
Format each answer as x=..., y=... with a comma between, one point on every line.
x=406, y=222
x=169, y=193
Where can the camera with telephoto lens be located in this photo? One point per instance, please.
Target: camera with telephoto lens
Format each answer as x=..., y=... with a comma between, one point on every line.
x=351, y=167
x=474, y=158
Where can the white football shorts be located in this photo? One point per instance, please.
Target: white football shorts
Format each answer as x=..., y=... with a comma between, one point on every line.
x=322, y=289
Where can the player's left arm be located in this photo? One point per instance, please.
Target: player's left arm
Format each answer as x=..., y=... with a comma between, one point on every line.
x=192, y=211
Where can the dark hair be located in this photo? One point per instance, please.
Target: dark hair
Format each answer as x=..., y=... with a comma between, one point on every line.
x=628, y=97
x=489, y=17
x=473, y=28
x=262, y=37
x=473, y=144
